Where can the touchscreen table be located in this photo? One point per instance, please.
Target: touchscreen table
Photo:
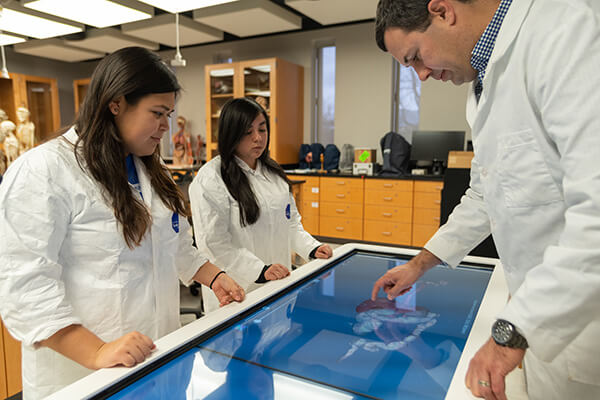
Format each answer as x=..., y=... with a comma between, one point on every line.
x=324, y=338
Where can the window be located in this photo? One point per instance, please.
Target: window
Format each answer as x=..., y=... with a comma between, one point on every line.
x=406, y=95
x=324, y=101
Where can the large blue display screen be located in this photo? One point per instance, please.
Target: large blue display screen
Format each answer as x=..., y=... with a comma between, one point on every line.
x=327, y=339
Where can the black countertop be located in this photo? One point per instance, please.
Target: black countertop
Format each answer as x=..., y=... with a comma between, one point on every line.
x=348, y=175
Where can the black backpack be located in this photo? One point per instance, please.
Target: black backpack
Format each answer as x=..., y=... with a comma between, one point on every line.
x=396, y=154
x=304, y=150
x=331, y=157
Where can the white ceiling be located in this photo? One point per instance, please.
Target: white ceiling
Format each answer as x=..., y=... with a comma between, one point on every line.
x=249, y=18
x=161, y=29
x=327, y=12
x=107, y=40
x=229, y=21
x=56, y=49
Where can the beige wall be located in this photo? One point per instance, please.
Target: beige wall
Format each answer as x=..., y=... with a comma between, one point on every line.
x=363, y=79
x=443, y=107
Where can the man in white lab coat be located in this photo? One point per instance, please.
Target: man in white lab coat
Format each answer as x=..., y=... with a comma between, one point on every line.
x=535, y=182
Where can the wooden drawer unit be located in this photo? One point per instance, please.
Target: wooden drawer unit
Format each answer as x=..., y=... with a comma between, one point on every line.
x=11, y=361
x=310, y=216
x=346, y=228
x=422, y=233
x=429, y=186
x=347, y=190
x=426, y=216
x=310, y=188
x=346, y=210
x=387, y=232
x=388, y=213
x=389, y=198
x=427, y=200
x=389, y=184
x=426, y=210
x=3, y=393
x=311, y=224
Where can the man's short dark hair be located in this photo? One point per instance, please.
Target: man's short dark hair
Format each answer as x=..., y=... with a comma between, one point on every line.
x=409, y=15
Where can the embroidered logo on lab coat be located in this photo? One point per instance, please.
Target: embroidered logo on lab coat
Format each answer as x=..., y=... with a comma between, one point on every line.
x=287, y=212
x=175, y=222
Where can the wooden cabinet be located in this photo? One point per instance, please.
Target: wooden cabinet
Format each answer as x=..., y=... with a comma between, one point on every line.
x=309, y=209
x=426, y=211
x=388, y=211
x=39, y=95
x=10, y=364
x=80, y=87
x=396, y=211
x=341, y=213
x=275, y=83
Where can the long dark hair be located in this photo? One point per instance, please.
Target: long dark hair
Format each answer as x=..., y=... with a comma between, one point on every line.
x=133, y=73
x=235, y=120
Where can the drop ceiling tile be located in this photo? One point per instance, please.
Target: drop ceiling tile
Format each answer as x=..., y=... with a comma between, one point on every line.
x=56, y=49
x=108, y=40
x=161, y=29
x=249, y=18
x=327, y=12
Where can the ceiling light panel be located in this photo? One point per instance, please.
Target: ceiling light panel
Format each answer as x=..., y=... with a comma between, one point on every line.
x=178, y=6
x=98, y=13
x=56, y=49
x=327, y=12
x=107, y=40
x=19, y=20
x=161, y=29
x=249, y=18
x=6, y=39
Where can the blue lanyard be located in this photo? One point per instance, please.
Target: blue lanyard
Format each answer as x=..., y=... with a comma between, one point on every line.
x=132, y=175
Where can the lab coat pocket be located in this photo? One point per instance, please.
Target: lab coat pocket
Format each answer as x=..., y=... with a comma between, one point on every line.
x=523, y=173
x=583, y=363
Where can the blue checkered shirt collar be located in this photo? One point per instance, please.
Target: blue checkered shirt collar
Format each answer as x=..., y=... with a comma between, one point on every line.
x=483, y=49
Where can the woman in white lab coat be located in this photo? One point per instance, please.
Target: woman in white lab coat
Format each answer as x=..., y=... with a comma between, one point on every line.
x=94, y=235
x=244, y=215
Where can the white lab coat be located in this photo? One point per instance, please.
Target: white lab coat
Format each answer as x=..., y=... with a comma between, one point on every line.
x=535, y=179
x=63, y=261
x=244, y=251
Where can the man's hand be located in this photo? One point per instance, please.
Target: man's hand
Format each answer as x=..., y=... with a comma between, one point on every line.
x=227, y=290
x=276, y=271
x=128, y=350
x=485, y=377
x=400, y=279
x=324, y=251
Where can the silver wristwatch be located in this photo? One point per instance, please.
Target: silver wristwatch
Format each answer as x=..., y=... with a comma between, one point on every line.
x=505, y=334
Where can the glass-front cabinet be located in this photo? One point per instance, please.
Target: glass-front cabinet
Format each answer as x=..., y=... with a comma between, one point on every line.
x=258, y=79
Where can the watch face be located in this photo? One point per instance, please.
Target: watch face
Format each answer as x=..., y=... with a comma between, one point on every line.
x=502, y=332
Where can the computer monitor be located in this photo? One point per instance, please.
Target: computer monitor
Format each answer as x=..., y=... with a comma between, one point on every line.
x=428, y=146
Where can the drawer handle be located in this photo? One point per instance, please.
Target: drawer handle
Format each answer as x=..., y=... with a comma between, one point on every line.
x=340, y=196
x=439, y=187
x=387, y=185
x=388, y=198
x=340, y=182
x=436, y=219
x=387, y=214
x=341, y=211
x=339, y=228
x=386, y=233
x=438, y=202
